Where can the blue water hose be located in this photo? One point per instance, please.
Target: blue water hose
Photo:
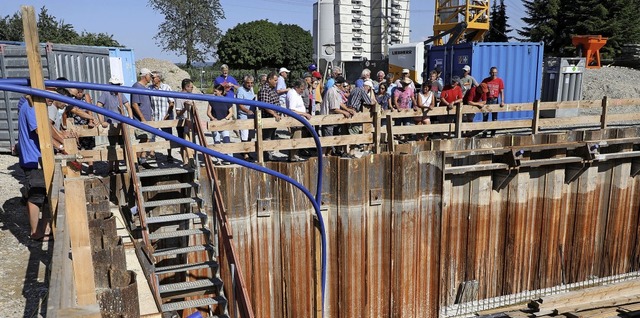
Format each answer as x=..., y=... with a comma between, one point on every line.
x=20, y=86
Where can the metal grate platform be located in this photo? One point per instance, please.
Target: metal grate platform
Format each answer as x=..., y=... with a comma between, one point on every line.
x=162, y=172
x=190, y=286
x=182, y=250
x=167, y=187
x=155, y=203
x=186, y=267
x=178, y=233
x=175, y=217
x=193, y=303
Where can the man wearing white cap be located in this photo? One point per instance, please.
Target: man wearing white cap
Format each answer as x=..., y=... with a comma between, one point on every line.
x=141, y=109
x=281, y=86
x=466, y=80
x=405, y=75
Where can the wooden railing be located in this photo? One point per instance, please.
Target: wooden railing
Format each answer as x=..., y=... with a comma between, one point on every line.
x=374, y=134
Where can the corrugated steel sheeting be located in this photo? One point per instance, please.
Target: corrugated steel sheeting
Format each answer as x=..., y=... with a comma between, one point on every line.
x=403, y=239
x=76, y=63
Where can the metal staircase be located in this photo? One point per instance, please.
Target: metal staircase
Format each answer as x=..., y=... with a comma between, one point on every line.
x=176, y=239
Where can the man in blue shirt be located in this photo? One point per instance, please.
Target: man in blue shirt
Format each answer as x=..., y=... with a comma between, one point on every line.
x=227, y=80
x=141, y=108
x=29, y=157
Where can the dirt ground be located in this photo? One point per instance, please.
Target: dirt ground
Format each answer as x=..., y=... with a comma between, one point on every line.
x=24, y=264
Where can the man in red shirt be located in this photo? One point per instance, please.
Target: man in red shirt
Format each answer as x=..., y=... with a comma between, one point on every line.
x=477, y=97
x=451, y=95
x=496, y=90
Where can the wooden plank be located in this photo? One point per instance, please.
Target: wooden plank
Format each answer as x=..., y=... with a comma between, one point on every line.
x=257, y=120
x=458, y=132
x=89, y=311
x=70, y=144
x=603, y=120
x=550, y=267
x=78, y=227
x=377, y=129
x=391, y=145
x=570, y=122
x=536, y=117
x=32, y=46
x=330, y=214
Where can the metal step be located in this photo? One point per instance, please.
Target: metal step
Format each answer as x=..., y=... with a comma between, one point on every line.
x=178, y=233
x=193, y=303
x=186, y=267
x=175, y=217
x=167, y=187
x=184, y=289
x=155, y=203
x=162, y=172
x=182, y=250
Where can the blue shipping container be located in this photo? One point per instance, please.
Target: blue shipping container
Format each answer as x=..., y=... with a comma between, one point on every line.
x=519, y=65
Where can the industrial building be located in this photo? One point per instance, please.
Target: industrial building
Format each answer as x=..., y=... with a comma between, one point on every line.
x=357, y=30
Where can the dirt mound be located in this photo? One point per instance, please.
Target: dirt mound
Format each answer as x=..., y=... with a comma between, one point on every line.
x=613, y=81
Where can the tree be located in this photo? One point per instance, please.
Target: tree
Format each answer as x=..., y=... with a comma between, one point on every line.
x=11, y=28
x=297, y=47
x=543, y=25
x=190, y=27
x=253, y=45
x=52, y=30
x=499, y=28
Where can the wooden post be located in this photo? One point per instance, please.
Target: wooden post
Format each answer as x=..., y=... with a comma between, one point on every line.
x=603, y=118
x=32, y=43
x=535, y=123
x=390, y=145
x=78, y=227
x=459, y=120
x=377, y=125
x=257, y=123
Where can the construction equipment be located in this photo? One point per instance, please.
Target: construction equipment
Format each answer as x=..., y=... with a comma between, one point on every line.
x=589, y=46
x=473, y=25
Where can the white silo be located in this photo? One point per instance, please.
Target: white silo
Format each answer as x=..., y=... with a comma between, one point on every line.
x=324, y=43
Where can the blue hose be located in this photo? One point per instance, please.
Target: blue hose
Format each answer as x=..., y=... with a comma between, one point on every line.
x=20, y=86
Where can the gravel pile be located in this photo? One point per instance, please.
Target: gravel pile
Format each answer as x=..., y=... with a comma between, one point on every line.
x=613, y=81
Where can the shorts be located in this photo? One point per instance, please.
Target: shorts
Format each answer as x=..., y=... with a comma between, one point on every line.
x=35, y=187
x=180, y=131
x=140, y=134
x=168, y=130
x=327, y=130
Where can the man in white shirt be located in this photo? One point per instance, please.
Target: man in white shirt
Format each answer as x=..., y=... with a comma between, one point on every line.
x=295, y=103
x=281, y=86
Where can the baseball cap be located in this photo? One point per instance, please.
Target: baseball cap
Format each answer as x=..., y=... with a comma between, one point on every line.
x=339, y=79
x=284, y=69
x=405, y=71
x=466, y=68
x=316, y=74
x=368, y=83
x=144, y=71
x=455, y=79
x=115, y=80
x=312, y=67
x=306, y=74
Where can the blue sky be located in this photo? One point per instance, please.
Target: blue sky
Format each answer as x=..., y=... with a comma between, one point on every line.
x=134, y=25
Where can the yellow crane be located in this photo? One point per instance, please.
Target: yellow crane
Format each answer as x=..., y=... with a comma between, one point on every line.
x=462, y=19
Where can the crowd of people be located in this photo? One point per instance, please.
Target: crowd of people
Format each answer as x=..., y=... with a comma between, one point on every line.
x=312, y=95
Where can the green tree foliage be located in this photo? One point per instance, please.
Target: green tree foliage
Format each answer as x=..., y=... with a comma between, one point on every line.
x=11, y=28
x=252, y=45
x=499, y=27
x=52, y=30
x=262, y=44
x=190, y=27
x=297, y=47
x=542, y=21
x=554, y=22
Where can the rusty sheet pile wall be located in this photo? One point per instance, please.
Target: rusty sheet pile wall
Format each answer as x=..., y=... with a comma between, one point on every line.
x=408, y=237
